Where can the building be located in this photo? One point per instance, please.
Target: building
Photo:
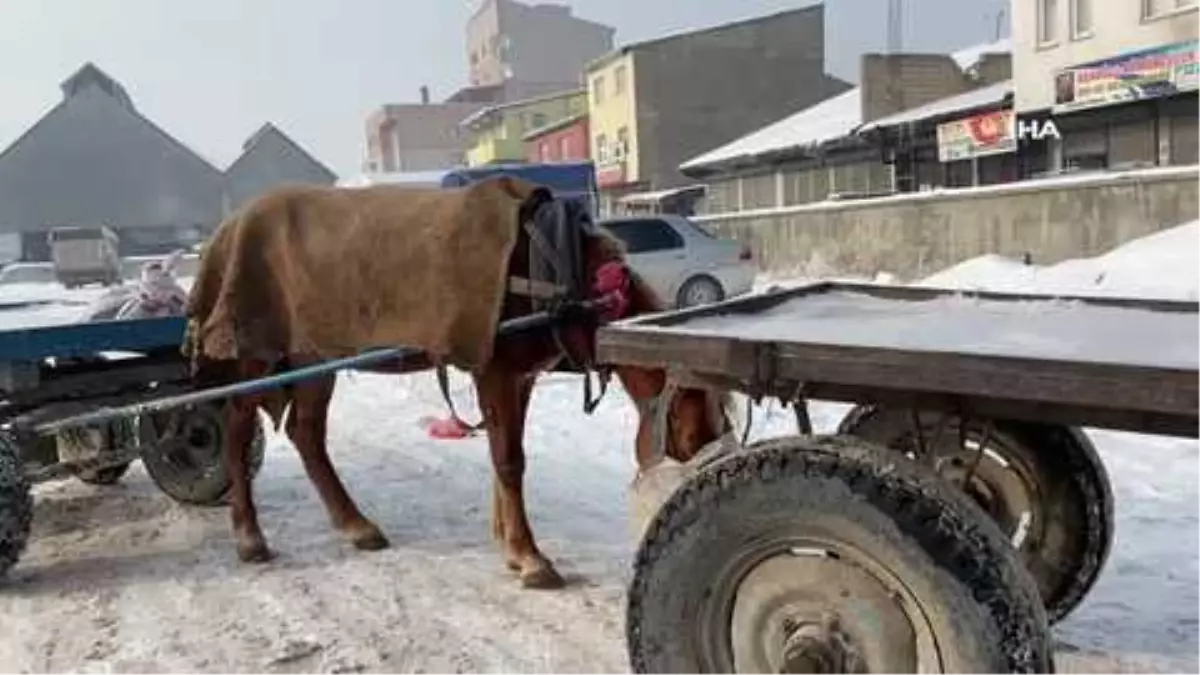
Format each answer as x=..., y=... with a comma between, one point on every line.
x=269, y=159
x=564, y=140
x=655, y=104
x=818, y=152
x=498, y=131
x=406, y=137
x=1117, y=77
x=542, y=45
x=94, y=160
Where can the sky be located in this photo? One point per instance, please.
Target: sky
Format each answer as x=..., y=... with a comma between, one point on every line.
x=211, y=72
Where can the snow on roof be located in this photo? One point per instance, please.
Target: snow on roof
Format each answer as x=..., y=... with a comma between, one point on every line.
x=828, y=120
x=969, y=57
x=659, y=195
x=976, y=98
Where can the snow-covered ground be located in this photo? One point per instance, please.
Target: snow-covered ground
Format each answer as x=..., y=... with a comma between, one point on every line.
x=123, y=579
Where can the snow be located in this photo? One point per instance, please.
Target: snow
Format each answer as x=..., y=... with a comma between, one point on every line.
x=993, y=94
x=1057, y=330
x=970, y=57
x=417, y=178
x=122, y=579
x=828, y=120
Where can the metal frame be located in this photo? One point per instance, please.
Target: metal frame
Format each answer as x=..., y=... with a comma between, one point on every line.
x=1116, y=396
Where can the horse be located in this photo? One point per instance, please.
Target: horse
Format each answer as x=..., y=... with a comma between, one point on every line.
x=503, y=386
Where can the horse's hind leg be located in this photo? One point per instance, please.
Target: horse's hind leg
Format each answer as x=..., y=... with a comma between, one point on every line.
x=241, y=419
x=306, y=426
x=504, y=399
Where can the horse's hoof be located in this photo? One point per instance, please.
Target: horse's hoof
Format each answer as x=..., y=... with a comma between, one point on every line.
x=369, y=539
x=254, y=552
x=544, y=577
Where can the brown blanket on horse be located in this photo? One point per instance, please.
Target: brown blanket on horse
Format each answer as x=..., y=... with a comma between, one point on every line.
x=331, y=272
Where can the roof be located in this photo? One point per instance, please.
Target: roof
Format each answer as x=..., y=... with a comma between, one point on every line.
x=828, y=120
x=499, y=107
x=604, y=59
x=272, y=130
x=554, y=126
x=983, y=97
x=969, y=57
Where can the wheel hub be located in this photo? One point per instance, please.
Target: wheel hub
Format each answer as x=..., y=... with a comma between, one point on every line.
x=813, y=611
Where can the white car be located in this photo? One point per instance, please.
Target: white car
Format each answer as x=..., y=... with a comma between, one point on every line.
x=686, y=265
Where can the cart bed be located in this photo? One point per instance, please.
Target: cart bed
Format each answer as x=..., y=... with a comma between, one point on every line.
x=83, y=339
x=1117, y=363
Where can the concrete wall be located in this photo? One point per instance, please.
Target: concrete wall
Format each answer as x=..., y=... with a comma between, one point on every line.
x=892, y=83
x=1118, y=26
x=698, y=91
x=915, y=235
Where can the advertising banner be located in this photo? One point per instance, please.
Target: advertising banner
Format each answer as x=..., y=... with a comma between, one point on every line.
x=1147, y=74
x=989, y=133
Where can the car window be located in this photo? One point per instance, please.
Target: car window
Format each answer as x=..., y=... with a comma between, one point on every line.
x=645, y=236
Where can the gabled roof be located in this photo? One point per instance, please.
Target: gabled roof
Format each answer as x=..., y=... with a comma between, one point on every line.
x=269, y=129
x=90, y=75
x=554, y=125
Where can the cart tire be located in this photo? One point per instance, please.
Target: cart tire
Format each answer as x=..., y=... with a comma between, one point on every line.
x=1066, y=539
x=16, y=504
x=190, y=465
x=699, y=600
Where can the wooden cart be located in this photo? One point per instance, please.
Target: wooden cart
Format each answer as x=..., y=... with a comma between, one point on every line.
x=957, y=512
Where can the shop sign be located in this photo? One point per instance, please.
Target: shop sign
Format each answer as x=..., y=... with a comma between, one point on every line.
x=1151, y=73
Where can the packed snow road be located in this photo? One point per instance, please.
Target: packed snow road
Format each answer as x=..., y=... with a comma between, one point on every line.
x=123, y=579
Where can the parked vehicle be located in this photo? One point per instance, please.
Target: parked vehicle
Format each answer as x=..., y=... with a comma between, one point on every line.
x=28, y=273
x=85, y=255
x=683, y=262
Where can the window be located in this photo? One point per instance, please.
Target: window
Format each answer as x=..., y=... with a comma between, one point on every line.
x=645, y=236
x=564, y=147
x=1047, y=22
x=619, y=81
x=598, y=90
x=1152, y=9
x=1081, y=19
x=539, y=120
x=623, y=141
x=601, y=148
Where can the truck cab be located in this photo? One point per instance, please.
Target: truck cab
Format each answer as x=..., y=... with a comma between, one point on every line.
x=85, y=255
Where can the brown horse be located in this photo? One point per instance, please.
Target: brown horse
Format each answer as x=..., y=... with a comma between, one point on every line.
x=503, y=387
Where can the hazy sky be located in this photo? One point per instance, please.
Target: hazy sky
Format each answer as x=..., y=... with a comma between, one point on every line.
x=212, y=71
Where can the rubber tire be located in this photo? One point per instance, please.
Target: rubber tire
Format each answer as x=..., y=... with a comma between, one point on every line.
x=1070, y=474
x=698, y=280
x=16, y=505
x=989, y=603
x=211, y=492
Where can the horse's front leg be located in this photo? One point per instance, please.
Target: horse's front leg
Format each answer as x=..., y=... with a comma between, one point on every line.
x=504, y=400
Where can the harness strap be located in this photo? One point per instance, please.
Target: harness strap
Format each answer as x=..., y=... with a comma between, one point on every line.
x=533, y=288
x=443, y=378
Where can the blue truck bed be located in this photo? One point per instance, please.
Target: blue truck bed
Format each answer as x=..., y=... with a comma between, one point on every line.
x=83, y=339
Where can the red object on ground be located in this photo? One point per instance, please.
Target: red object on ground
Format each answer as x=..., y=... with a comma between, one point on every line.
x=447, y=429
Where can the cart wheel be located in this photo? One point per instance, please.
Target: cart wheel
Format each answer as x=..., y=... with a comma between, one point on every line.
x=1043, y=484
x=185, y=453
x=16, y=504
x=825, y=555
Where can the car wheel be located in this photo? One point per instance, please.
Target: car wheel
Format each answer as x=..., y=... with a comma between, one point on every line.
x=700, y=290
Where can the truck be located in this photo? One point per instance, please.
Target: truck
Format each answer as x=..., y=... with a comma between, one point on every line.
x=85, y=255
